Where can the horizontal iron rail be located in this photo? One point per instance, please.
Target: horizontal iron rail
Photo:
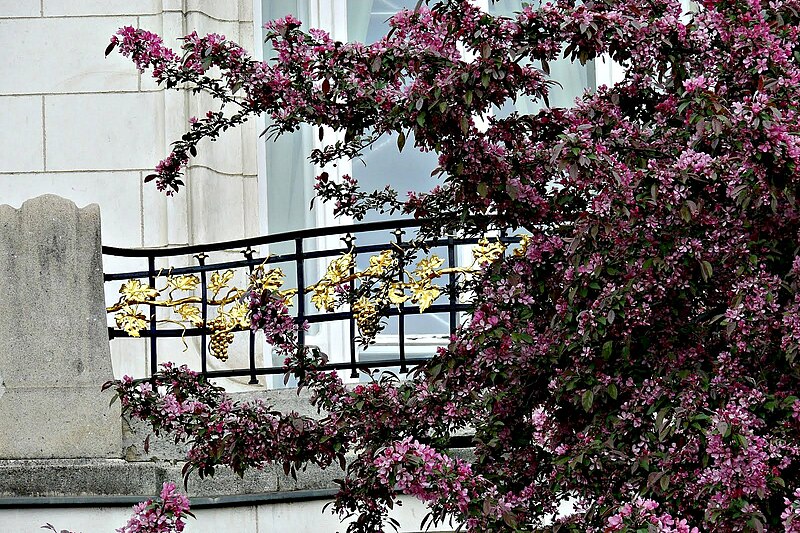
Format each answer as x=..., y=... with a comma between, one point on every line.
x=345, y=365
x=284, y=258
x=316, y=318
x=265, y=239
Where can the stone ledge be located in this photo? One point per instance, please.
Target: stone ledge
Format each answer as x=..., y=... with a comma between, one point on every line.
x=63, y=478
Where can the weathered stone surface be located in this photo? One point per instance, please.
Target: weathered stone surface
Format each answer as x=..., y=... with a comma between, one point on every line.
x=57, y=422
x=78, y=477
x=117, y=477
x=54, y=352
x=312, y=478
x=225, y=482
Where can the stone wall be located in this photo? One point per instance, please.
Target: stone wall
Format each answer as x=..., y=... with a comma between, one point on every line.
x=88, y=128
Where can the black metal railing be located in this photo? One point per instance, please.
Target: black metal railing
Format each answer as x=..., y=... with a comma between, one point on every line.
x=393, y=232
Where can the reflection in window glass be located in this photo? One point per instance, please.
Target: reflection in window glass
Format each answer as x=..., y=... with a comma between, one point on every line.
x=573, y=78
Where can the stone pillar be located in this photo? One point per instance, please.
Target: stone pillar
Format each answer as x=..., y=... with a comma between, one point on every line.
x=54, y=350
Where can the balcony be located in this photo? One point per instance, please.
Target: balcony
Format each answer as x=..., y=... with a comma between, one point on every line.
x=200, y=293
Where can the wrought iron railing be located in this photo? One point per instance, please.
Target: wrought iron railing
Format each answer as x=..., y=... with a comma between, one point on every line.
x=203, y=285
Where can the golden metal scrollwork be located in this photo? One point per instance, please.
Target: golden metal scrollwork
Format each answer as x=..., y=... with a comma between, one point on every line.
x=232, y=313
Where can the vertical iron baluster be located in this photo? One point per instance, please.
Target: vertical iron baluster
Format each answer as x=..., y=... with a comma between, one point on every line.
x=201, y=259
x=248, y=254
x=451, y=263
x=348, y=242
x=401, y=316
x=301, y=297
x=151, y=271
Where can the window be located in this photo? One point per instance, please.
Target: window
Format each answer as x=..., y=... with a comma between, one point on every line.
x=286, y=176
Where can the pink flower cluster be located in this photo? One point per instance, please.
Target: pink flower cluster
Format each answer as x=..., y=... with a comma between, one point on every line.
x=791, y=515
x=165, y=515
x=641, y=513
x=422, y=471
x=146, y=49
x=270, y=314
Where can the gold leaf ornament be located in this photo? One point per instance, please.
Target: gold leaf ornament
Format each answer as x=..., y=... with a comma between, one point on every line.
x=272, y=280
x=134, y=291
x=130, y=320
x=339, y=269
x=323, y=292
x=486, y=253
x=323, y=296
x=183, y=283
x=240, y=314
x=219, y=281
x=424, y=293
x=397, y=293
x=379, y=264
x=426, y=267
x=524, y=242
x=190, y=313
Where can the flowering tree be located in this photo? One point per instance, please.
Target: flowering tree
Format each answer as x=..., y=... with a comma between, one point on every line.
x=636, y=355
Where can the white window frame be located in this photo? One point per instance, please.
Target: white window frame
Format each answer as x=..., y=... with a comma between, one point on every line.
x=331, y=16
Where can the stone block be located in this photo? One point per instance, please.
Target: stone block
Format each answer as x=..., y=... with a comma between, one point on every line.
x=226, y=154
x=20, y=8
x=172, y=5
x=78, y=477
x=62, y=55
x=250, y=141
x=225, y=481
x=54, y=351
x=71, y=8
x=154, y=214
x=21, y=139
x=252, y=220
x=216, y=203
x=58, y=422
x=246, y=12
x=312, y=478
x=105, y=131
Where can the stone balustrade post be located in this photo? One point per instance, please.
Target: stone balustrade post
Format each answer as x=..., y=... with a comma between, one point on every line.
x=54, y=351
